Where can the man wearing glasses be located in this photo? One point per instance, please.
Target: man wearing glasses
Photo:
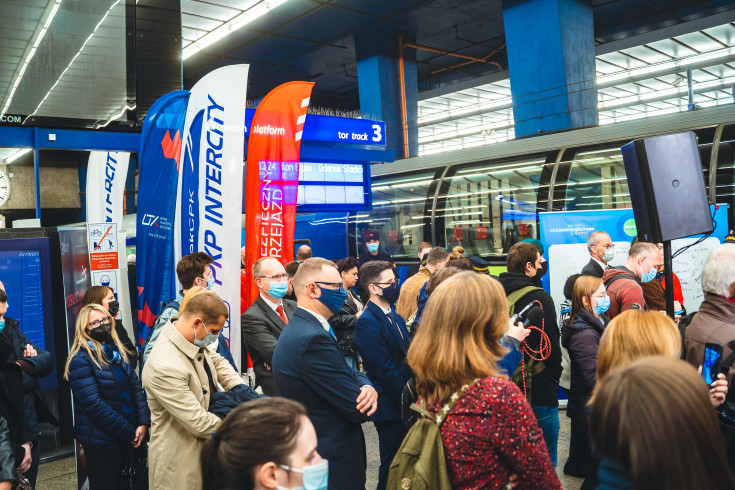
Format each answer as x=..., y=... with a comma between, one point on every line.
x=263, y=322
x=308, y=366
x=602, y=251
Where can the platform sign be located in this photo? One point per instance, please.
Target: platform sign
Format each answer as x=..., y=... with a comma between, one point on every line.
x=102, y=238
x=332, y=186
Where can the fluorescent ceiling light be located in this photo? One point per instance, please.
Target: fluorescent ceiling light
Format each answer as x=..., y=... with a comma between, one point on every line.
x=17, y=155
x=253, y=13
x=30, y=55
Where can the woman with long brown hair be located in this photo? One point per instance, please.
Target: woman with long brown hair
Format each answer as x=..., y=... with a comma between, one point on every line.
x=105, y=296
x=654, y=428
x=110, y=409
x=580, y=335
x=491, y=432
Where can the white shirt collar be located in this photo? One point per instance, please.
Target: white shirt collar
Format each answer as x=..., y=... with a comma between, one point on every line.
x=602, y=264
x=385, y=310
x=270, y=303
x=322, y=320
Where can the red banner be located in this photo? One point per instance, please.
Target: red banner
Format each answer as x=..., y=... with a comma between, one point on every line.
x=272, y=180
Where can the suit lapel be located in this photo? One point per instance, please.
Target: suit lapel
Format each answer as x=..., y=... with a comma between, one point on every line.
x=270, y=314
x=383, y=318
x=289, y=307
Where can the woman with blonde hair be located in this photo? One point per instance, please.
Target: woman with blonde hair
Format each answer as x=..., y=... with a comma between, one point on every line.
x=654, y=428
x=580, y=335
x=490, y=433
x=110, y=410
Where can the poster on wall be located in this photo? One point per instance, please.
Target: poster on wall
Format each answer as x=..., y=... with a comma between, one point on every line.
x=564, y=235
x=75, y=269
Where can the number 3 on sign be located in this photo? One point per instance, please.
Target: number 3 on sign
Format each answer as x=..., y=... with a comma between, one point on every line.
x=377, y=134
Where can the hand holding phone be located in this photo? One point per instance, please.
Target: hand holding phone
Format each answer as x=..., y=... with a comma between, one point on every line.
x=711, y=362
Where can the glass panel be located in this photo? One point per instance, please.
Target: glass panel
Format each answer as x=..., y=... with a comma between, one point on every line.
x=486, y=209
x=398, y=218
x=596, y=181
x=726, y=167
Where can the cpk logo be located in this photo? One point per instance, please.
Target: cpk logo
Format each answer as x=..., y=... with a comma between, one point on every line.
x=150, y=220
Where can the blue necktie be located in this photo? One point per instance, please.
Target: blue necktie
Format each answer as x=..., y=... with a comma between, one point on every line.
x=392, y=317
x=331, y=332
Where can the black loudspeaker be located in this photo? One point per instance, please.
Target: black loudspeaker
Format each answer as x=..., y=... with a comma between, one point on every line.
x=667, y=187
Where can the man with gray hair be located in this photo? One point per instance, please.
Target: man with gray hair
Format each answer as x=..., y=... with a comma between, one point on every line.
x=623, y=283
x=715, y=320
x=601, y=250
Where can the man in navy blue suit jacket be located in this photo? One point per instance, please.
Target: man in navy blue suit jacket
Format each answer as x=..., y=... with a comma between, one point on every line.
x=382, y=339
x=308, y=366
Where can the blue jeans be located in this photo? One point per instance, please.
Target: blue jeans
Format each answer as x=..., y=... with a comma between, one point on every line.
x=548, y=420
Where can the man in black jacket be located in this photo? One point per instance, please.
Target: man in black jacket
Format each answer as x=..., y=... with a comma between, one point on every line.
x=35, y=363
x=601, y=250
x=266, y=318
x=524, y=263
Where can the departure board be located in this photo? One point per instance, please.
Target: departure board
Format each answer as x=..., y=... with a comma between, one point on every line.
x=20, y=272
x=329, y=185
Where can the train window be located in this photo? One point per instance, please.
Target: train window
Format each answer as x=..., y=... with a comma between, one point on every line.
x=596, y=181
x=725, y=178
x=398, y=215
x=486, y=209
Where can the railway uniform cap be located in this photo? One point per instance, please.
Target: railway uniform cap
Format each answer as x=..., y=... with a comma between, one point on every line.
x=479, y=264
x=730, y=238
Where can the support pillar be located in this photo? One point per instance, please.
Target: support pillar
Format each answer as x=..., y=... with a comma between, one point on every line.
x=551, y=60
x=380, y=88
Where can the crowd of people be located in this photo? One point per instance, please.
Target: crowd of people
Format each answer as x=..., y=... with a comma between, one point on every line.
x=458, y=370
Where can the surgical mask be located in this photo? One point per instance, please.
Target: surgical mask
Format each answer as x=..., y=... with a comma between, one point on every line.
x=207, y=340
x=113, y=307
x=649, y=276
x=2, y=325
x=210, y=282
x=333, y=298
x=314, y=477
x=609, y=254
x=103, y=333
x=278, y=289
x=373, y=247
x=602, y=305
x=391, y=293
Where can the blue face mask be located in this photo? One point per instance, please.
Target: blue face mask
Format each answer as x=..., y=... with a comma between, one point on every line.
x=602, y=305
x=314, y=477
x=278, y=289
x=210, y=282
x=649, y=276
x=373, y=247
x=333, y=298
x=208, y=339
x=2, y=325
x=608, y=255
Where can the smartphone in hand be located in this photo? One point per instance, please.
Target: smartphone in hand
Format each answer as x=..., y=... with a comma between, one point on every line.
x=711, y=362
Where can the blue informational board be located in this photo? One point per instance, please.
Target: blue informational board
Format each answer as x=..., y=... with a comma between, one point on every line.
x=564, y=236
x=330, y=129
x=25, y=270
x=333, y=186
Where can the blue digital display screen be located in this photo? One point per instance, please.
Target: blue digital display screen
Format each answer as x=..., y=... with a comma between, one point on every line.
x=331, y=184
x=20, y=272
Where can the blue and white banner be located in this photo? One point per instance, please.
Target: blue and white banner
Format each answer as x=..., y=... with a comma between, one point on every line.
x=209, y=205
x=564, y=235
x=106, y=174
x=159, y=161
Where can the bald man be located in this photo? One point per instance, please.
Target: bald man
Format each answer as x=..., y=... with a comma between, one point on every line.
x=303, y=253
x=242, y=258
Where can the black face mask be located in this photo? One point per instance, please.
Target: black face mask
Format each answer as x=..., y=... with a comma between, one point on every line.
x=541, y=271
x=391, y=293
x=103, y=333
x=113, y=307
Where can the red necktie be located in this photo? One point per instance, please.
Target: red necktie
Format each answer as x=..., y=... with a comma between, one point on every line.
x=280, y=312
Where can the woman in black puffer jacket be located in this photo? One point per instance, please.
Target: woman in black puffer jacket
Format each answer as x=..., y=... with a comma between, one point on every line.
x=111, y=414
x=581, y=337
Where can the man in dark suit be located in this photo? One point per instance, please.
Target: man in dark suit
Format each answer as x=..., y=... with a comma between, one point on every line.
x=383, y=341
x=601, y=250
x=264, y=321
x=309, y=367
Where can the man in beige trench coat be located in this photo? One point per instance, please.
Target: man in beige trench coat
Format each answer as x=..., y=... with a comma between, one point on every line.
x=179, y=377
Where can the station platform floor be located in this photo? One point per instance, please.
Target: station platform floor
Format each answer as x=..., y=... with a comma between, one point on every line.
x=61, y=474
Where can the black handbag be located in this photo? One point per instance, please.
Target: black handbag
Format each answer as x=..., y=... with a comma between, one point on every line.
x=135, y=469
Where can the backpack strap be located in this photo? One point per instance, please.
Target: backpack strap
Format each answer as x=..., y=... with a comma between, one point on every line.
x=516, y=295
x=624, y=275
x=445, y=409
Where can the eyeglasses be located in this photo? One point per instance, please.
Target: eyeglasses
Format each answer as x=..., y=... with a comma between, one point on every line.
x=97, y=323
x=390, y=283
x=336, y=284
x=279, y=277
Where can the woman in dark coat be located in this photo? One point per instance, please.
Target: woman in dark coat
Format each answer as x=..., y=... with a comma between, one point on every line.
x=110, y=410
x=343, y=323
x=581, y=337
